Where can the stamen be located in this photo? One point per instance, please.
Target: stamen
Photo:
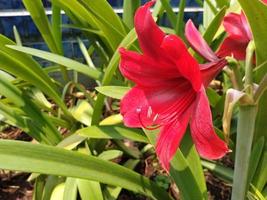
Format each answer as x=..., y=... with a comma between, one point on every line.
x=149, y=112
x=138, y=110
x=155, y=117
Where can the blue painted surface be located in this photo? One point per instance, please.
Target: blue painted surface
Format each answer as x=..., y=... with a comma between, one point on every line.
x=17, y=4
x=31, y=37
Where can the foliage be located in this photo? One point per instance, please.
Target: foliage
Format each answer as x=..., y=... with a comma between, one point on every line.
x=82, y=147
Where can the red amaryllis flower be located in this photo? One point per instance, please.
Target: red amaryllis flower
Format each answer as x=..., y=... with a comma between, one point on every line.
x=169, y=92
x=239, y=35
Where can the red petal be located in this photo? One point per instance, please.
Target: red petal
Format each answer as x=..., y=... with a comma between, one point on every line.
x=246, y=26
x=237, y=27
x=208, y=144
x=233, y=47
x=134, y=108
x=210, y=70
x=198, y=43
x=143, y=107
x=144, y=70
x=176, y=50
x=169, y=139
x=149, y=34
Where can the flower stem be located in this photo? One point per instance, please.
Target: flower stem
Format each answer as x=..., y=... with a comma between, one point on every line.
x=249, y=68
x=245, y=131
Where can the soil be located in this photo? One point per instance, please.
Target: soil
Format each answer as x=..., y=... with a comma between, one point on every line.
x=14, y=185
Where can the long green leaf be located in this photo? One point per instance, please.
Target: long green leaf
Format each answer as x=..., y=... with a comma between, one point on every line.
x=38, y=15
x=182, y=173
x=112, y=132
x=256, y=13
x=23, y=156
x=67, y=62
x=170, y=13
x=112, y=67
x=116, y=92
x=214, y=26
x=24, y=67
x=70, y=190
x=221, y=171
x=129, y=8
x=22, y=101
x=255, y=157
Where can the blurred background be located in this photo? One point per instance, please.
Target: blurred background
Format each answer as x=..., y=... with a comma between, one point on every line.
x=13, y=13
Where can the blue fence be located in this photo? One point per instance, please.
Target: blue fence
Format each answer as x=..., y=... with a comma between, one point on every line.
x=31, y=37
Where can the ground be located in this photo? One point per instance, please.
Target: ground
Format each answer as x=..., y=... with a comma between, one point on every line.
x=14, y=185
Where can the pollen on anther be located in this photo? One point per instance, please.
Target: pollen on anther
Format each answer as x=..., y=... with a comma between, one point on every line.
x=149, y=112
x=155, y=117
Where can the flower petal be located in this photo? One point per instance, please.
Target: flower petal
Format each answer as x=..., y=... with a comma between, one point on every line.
x=143, y=107
x=210, y=70
x=149, y=34
x=198, y=43
x=169, y=139
x=134, y=108
x=233, y=47
x=208, y=144
x=144, y=70
x=177, y=52
x=237, y=27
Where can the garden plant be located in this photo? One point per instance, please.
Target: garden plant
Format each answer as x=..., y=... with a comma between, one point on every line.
x=166, y=103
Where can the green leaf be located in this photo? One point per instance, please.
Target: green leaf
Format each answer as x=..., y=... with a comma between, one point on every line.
x=17, y=36
x=189, y=151
x=67, y=62
x=260, y=177
x=170, y=13
x=40, y=19
x=70, y=190
x=179, y=27
x=255, y=157
x=23, y=156
x=51, y=183
x=256, y=12
x=42, y=129
x=110, y=154
x=39, y=187
x=182, y=173
x=255, y=194
x=27, y=69
x=82, y=112
x=214, y=26
x=116, y=92
x=129, y=8
x=221, y=171
x=56, y=27
x=112, y=132
x=89, y=189
x=88, y=14
x=58, y=192
x=213, y=96
x=111, y=68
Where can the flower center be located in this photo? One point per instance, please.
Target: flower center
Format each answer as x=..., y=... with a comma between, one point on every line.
x=149, y=115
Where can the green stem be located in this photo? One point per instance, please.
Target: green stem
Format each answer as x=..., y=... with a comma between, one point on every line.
x=211, y=6
x=245, y=131
x=180, y=20
x=237, y=78
x=170, y=14
x=249, y=68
